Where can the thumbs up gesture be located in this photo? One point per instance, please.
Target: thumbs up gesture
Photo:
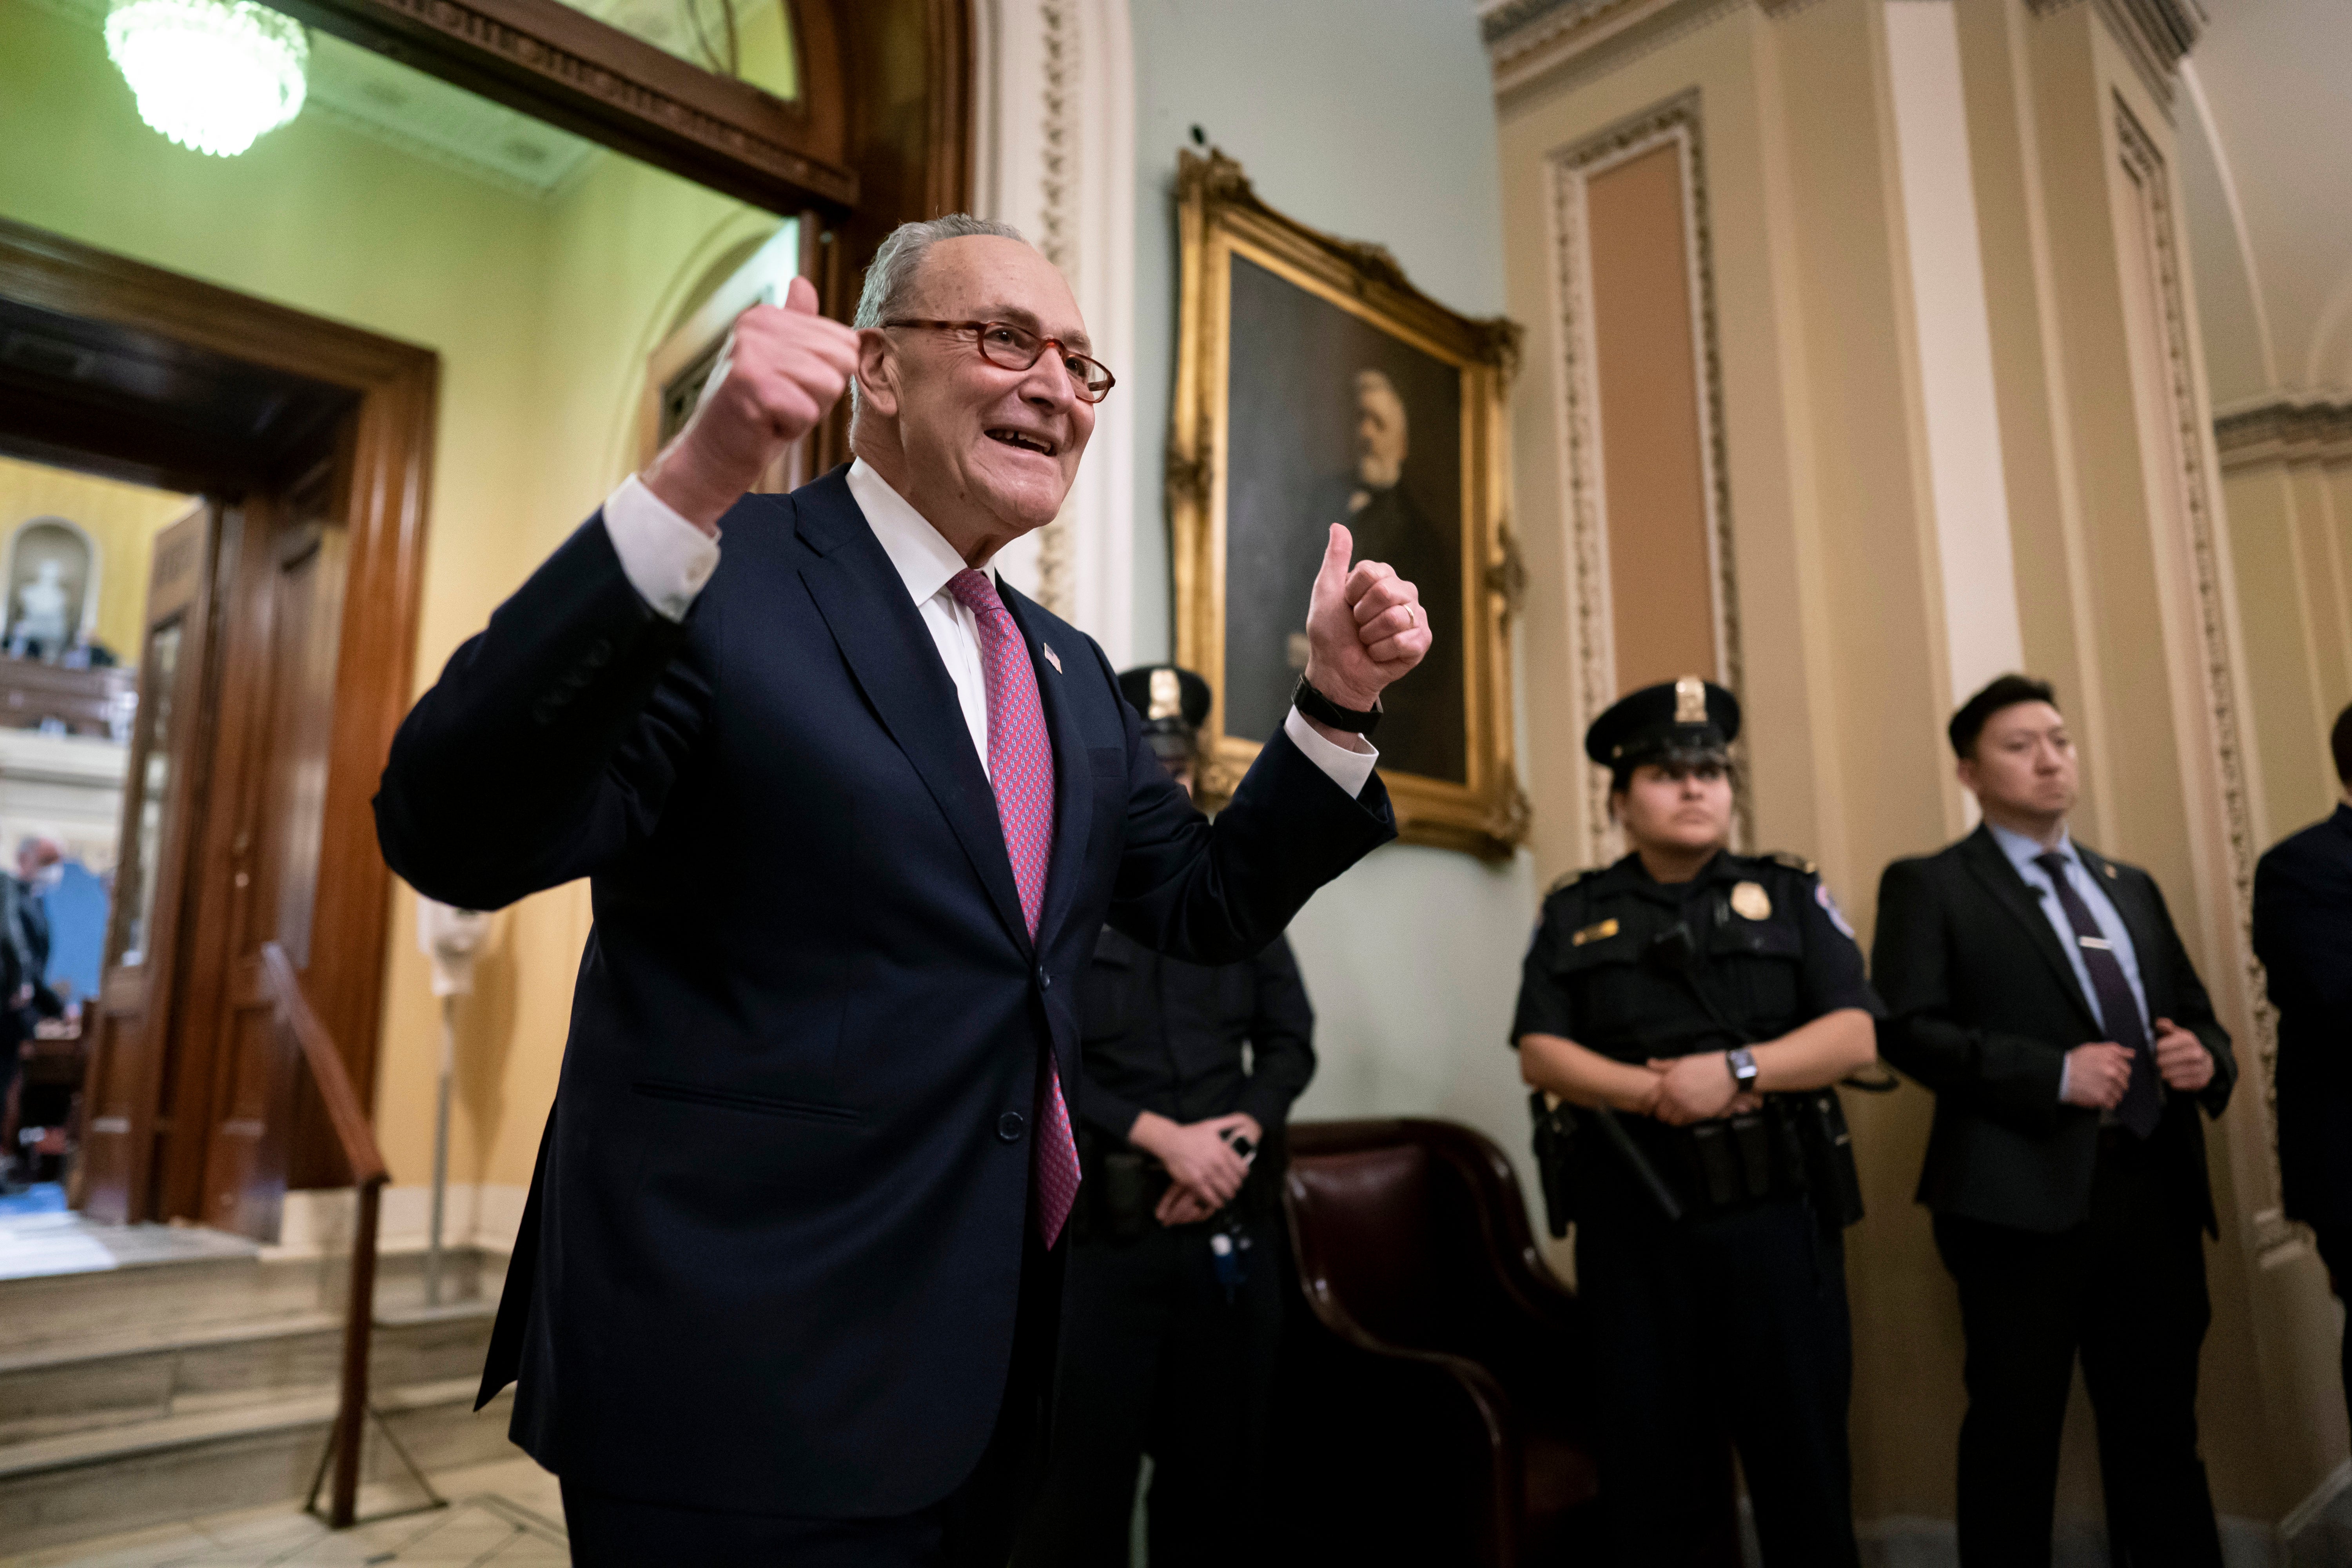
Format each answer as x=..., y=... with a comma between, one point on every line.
x=781, y=370
x=1365, y=625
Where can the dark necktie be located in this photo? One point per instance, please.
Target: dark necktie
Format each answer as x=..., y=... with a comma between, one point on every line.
x=2141, y=1105
x=1021, y=772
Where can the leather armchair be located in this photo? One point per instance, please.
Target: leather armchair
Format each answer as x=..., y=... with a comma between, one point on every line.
x=1430, y=1406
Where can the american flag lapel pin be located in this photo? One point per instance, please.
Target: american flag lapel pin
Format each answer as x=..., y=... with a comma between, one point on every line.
x=1051, y=656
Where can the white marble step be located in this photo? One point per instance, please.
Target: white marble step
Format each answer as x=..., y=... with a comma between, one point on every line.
x=147, y=1374
x=224, y=1282
x=106, y=1479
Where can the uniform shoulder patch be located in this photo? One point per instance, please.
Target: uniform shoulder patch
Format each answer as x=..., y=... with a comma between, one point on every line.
x=1794, y=862
x=1829, y=904
x=1572, y=878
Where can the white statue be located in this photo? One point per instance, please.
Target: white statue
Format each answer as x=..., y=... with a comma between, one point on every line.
x=41, y=609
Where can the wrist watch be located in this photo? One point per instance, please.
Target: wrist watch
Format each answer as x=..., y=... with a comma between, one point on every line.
x=1743, y=1068
x=1323, y=711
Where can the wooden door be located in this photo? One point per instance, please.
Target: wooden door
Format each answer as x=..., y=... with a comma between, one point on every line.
x=129, y=1075
x=258, y=858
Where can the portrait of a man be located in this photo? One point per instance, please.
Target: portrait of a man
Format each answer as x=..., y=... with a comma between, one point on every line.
x=1335, y=420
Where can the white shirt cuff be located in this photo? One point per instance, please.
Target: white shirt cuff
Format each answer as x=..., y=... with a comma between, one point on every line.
x=667, y=559
x=1348, y=770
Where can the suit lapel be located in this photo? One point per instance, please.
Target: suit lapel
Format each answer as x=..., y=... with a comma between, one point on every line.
x=882, y=637
x=2014, y=893
x=1073, y=768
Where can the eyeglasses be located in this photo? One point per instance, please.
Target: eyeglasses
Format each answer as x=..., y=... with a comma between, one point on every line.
x=1017, y=348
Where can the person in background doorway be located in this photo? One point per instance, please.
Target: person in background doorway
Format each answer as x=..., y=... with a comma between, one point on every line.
x=24, y=932
x=1174, y=1301
x=2302, y=935
x=2040, y=991
x=1689, y=1010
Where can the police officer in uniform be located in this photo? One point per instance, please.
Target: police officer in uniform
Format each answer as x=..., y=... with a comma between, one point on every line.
x=1683, y=1015
x=1174, y=1297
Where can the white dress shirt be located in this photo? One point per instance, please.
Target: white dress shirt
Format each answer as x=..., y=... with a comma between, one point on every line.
x=2024, y=853
x=668, y=560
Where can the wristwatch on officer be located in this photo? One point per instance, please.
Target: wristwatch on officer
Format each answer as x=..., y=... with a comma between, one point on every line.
x=1323, y=711
x=1743, y=1068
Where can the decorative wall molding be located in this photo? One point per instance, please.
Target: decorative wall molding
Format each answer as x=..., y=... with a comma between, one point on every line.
x=1559, y=43
x=2156, y=34
x=2144, y=162
x=1591, y=636
x=2284, y=430
x=1055, y=158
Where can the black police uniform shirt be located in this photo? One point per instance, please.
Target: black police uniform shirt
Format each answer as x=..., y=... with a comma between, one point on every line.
x=1165, y=1035
x=1774, y=952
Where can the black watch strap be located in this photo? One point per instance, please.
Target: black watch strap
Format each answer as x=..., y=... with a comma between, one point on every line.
x=1323, y=711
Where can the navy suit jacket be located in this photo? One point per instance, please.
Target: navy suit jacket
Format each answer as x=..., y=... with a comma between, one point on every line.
x=2302, y=935
x=1982, y=1007
x=772, y=1248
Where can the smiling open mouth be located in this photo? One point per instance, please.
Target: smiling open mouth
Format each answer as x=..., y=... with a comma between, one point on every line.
x=1024, y=440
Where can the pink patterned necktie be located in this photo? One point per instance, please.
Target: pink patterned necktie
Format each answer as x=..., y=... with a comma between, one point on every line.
x=1021, y=771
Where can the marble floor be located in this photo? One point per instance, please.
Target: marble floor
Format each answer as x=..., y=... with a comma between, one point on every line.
x=503, y=1515
x=40, y=1237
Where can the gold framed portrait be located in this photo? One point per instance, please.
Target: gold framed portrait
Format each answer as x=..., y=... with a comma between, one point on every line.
x=1314, y=384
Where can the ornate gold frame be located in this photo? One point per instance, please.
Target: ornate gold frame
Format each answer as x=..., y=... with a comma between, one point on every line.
x=1220, y=217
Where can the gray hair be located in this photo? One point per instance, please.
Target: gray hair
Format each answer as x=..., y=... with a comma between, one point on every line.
x=891, y=275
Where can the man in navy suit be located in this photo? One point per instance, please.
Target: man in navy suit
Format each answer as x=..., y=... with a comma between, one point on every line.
x=2302, y=935
x=853, y=813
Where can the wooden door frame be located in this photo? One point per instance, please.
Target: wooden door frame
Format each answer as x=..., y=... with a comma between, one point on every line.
x=398, y=386
x=839, y=146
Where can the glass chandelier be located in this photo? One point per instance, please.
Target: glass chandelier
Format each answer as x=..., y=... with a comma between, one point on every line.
x=211, y=75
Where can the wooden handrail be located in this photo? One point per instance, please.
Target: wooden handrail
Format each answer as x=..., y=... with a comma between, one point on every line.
x=326, y=1063
x=369, y=1175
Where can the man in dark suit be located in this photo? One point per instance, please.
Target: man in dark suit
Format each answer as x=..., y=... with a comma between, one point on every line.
x=2302, y=935
x=2041, y=990
x=855, y=813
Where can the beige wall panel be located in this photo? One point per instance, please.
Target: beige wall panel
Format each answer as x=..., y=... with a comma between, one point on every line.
x=1880, y=638
x=1536, y=126
x=2283, y=656
x=1661, y=571
x=2319, y=543
x=2013, y=195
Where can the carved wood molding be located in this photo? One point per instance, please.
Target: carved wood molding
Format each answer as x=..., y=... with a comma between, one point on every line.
x=562, y=66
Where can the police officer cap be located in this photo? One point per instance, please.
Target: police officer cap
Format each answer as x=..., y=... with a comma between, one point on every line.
x=1688, y=720
x=1167, y=697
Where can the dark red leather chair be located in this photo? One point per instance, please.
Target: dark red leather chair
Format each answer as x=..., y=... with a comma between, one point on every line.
x=1430, y=1409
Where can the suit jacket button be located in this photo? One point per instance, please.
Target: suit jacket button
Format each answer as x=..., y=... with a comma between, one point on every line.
x=1044, y=981
x=1009, y=1126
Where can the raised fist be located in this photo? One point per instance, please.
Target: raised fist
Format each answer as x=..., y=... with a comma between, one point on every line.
x=781, y=370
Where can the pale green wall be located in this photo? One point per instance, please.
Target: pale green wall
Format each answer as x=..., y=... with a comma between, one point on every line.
x=541, y=313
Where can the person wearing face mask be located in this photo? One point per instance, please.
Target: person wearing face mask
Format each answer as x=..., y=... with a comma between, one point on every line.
x=1173, y=1308
x=1684, y=1015
x=2041, y=990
